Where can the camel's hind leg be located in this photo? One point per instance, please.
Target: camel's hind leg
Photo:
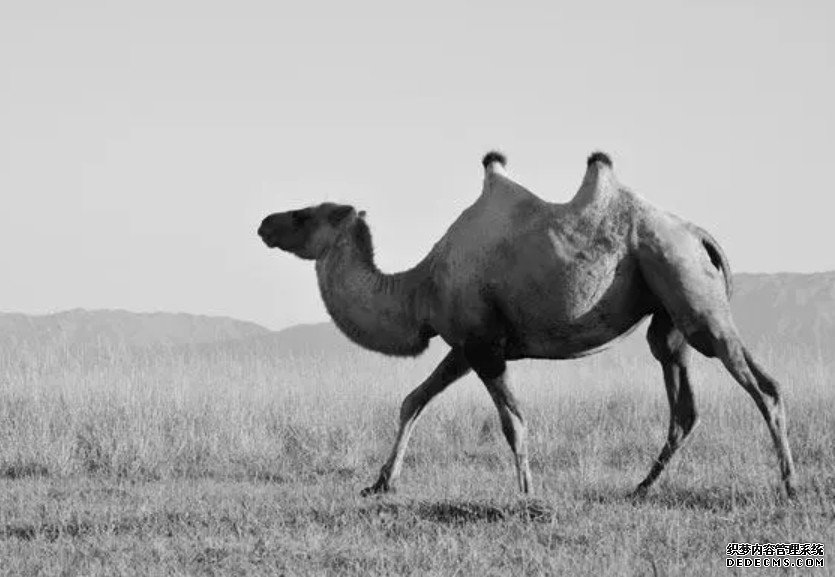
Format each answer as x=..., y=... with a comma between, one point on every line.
x=718, y=337
x=672, y=351
x=766, y=394
x=451, y=368
x=681, y=272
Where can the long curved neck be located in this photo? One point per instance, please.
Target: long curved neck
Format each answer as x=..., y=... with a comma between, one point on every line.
x=381, y=312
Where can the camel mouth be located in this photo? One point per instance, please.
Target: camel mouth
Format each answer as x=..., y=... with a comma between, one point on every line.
x=269, y=242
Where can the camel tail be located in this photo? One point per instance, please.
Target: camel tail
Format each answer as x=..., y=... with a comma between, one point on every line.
x=717, y=257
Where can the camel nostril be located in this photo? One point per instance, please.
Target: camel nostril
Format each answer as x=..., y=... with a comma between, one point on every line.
x=264, y=229
x=266, y=236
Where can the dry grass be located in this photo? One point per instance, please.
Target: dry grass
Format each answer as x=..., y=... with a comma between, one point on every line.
x=235, y=460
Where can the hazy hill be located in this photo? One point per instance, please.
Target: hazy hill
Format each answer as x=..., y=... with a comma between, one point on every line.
x=787, y=308
x=784, y=310
x=117, y=328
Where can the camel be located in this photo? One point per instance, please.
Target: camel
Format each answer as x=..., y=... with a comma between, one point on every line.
x=518, y=277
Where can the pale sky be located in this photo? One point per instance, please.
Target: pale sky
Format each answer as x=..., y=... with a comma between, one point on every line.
x=142, y=143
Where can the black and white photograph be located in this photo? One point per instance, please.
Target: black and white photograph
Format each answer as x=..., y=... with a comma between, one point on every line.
x=425, y=289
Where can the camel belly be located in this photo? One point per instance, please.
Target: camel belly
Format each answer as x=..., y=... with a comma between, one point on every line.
x=574, y=308
x=570, y=341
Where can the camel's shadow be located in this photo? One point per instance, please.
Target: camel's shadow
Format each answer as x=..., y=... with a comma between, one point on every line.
x=463, y=512
x=466, y=511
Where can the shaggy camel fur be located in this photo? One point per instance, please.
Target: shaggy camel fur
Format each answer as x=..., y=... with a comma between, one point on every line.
x=518, y=277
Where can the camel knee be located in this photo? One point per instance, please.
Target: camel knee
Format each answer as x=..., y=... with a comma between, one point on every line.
x=730, y=351
x=761, y=386
x=772, y=390
x=411, y=406
x=765, y=382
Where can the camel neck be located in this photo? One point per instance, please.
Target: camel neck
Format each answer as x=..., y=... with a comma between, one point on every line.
x=378, y=311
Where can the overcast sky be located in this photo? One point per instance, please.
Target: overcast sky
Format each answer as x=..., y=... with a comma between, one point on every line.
x=141, y=144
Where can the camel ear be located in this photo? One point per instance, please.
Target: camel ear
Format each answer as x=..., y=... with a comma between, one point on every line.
x=361, y=214
x=339, y=214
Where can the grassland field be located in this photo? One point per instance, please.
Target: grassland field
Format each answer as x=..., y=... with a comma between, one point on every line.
x=242, y=461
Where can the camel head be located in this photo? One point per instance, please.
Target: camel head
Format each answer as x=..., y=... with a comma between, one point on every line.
x=307, y=232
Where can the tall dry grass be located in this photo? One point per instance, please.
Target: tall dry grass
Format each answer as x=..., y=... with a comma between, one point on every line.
x=246, y=411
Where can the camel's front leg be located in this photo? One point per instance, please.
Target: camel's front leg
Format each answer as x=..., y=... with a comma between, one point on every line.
x=492, y=369
x=513, y=426
x=453, y=367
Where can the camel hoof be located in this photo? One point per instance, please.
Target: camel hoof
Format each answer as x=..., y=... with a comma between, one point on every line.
x=791, y=492
x=640, y=492
x=377, y=488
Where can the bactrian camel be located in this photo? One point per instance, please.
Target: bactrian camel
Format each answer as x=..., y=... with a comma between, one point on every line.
x=518, y=277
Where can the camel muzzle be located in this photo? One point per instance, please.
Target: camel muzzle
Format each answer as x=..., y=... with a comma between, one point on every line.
x=267, y=235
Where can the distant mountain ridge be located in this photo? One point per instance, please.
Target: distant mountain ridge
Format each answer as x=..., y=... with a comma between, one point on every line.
x=792, y=308
x=119, y=328
x=782, y=309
